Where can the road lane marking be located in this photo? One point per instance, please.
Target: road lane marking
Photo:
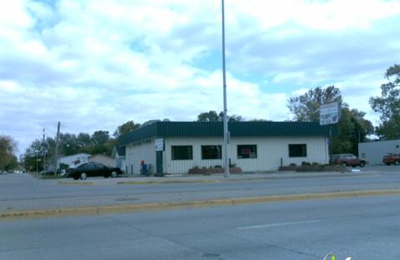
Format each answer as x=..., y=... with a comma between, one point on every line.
x=280, y=224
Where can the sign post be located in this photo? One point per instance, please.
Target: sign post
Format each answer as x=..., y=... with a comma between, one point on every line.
x=329, y=114
x=159, y=147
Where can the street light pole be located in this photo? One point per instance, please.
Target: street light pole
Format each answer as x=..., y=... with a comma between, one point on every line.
x=56, y=153
x=225, y=148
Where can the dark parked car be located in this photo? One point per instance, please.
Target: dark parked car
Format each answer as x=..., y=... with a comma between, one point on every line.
x=51, y=172
x=391, y=158
x=91, y=169
x=348, y=159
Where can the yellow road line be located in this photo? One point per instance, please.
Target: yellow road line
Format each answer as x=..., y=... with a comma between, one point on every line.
x=125, y=208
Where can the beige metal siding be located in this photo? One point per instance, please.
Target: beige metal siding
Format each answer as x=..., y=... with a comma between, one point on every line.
x=263, y=160
x=183, y=166
x=317, y=151
x=136, y=153
x=271, y=152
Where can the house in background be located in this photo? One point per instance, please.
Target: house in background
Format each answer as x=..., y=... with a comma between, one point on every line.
x=118, y=153
x=373, y=152
x=73, y=160
x=104, y=159
x=177, y=147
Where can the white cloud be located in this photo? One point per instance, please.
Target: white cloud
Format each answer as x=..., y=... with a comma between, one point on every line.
x=13, y=15
x=94, y=65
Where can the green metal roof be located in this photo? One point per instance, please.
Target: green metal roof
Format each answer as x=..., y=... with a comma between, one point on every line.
x=236, y=129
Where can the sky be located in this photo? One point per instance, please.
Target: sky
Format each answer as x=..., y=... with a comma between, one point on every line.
x=96, y=64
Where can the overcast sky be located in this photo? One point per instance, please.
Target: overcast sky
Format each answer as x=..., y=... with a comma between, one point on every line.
x=96, y=64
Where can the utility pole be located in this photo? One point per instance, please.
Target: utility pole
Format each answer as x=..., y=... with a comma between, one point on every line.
x=44, y=149
x=226, y=132
x=57, y=148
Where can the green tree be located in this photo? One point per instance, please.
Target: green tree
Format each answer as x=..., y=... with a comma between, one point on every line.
x=100, y=143
x=305, y=108
x=260, y=120
x=8, y=148
x=13, y=164
x=352, y=127
x=232, y=118
x=39, y=153
x=388, y=105
x=212, y=116
x=125, y=128
x=33, y=156
x=100, y=137
x=69, y=144
x=83, y=140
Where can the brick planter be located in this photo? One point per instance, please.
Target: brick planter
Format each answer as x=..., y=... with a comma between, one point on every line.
x=235, y=170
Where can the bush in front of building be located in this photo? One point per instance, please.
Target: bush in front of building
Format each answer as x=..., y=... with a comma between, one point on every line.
x=313, y=167
x=213, y=170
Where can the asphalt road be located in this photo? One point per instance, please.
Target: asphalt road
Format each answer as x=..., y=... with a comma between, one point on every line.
x=363, y=228
x=23, y=192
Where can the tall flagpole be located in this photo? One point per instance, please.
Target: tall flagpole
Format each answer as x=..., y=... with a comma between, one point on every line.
x=225, y=148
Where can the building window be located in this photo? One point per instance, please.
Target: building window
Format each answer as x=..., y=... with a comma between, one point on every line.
x=209, y=152
x=297, y=150
x=247, y=151
x=182, y=152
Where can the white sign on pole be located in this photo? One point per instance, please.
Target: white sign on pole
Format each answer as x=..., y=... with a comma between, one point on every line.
x=329, y=113
x=159, y=145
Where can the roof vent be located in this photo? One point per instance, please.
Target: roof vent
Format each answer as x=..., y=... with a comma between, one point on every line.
x=150, y=122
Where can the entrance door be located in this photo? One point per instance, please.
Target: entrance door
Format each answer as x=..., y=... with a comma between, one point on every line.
x=159, y=163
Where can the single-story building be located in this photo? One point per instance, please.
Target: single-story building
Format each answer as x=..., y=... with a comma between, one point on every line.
x=374, y=151
x=177, y=147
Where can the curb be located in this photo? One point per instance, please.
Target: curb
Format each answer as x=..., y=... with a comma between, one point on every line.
x=126, y=208
x=165, y=182
x=75, y=183
x=222, y=179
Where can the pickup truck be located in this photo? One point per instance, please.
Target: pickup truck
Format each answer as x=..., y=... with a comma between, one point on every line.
x=391, y=158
